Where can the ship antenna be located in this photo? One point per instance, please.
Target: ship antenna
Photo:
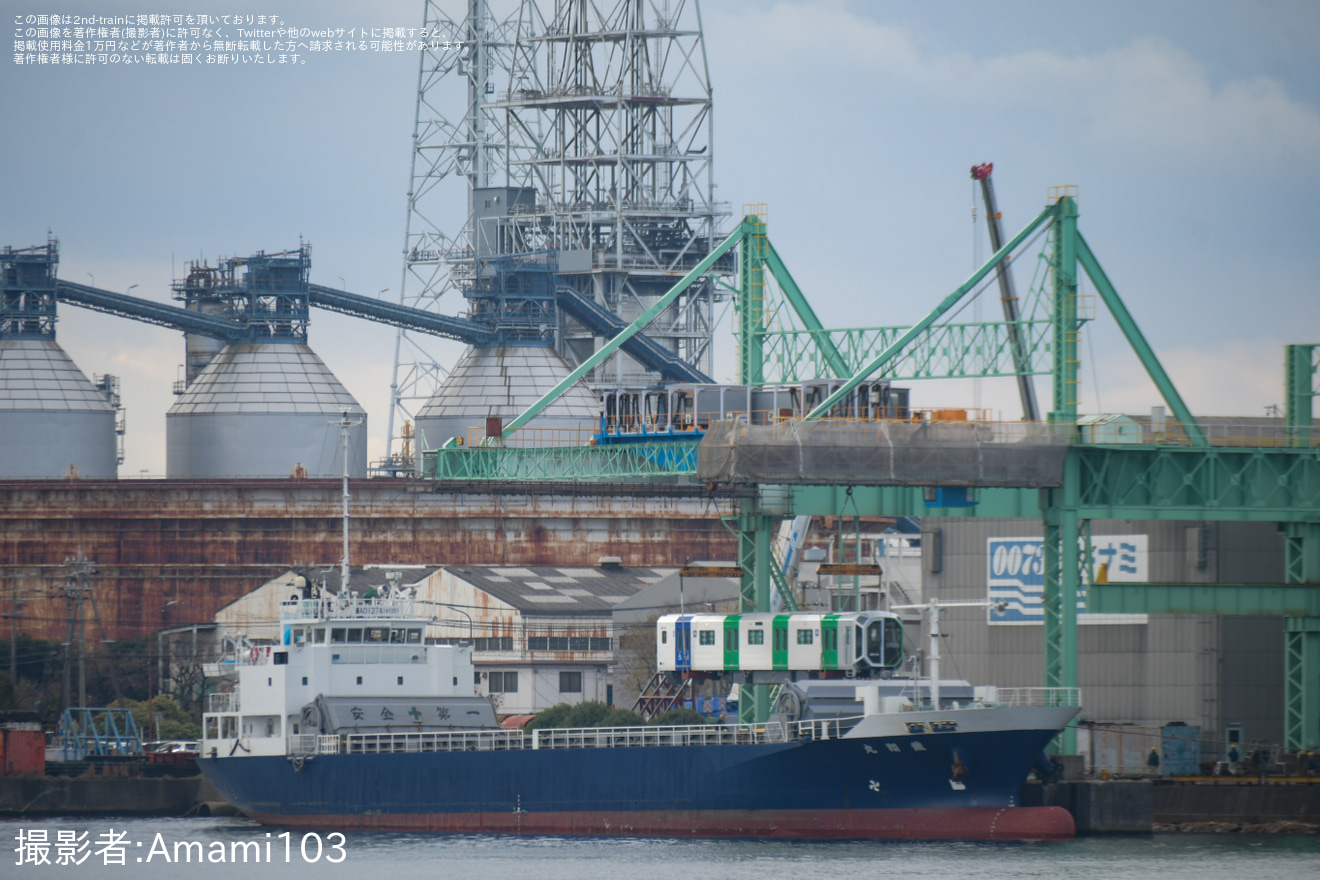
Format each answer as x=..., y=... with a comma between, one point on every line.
x=344, y=424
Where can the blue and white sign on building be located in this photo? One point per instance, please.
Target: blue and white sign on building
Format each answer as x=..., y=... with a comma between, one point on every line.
x=1016, y=576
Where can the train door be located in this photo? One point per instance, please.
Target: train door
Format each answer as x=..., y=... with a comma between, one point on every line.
x=683, y=644
x=829, y=642
x=731, y=641
x=779, y=642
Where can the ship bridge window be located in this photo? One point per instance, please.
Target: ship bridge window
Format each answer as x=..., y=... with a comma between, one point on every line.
x=707, y=636
x=212, y=728
x=354, y=635
x=338, y=636
x=281, y=658
x=398, y=636
x=756, y=637
x=318, y=636
x=376, y=635
x=414, y=636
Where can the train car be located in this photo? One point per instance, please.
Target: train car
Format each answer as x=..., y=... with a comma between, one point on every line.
x=683, y=411
x=862, y=643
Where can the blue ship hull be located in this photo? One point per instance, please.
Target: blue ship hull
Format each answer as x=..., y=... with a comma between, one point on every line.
x=872, y=787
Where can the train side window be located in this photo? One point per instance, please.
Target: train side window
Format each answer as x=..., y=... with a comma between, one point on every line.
x=664, y=637
x=804, y=637
x=707, y=636
x=756, y=637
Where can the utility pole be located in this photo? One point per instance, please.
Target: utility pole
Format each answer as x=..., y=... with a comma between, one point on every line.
x=344, y=424
x=74, y=588
x=14, y=605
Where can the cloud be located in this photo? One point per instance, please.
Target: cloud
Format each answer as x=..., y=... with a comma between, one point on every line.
x=1238, y=378
x=1147, y=95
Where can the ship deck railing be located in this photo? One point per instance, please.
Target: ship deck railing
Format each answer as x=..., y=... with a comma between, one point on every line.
x=637, y=737
x=455, y=741
x=313, y=744
x=1035, y=697
x=822, y=728
x=570, y=738
x=223, y=702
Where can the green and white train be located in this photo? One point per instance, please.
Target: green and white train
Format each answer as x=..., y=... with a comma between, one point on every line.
x=860, y=642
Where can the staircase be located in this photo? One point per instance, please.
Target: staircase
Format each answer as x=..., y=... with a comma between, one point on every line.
x=661, y=694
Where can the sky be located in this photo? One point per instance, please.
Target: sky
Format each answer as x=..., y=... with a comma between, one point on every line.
x=1191, y=130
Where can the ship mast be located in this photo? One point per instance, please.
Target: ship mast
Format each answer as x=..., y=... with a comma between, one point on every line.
x=344, y=424
x=932, y=612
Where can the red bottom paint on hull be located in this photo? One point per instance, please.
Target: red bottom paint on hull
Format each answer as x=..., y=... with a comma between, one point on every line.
x=954, y=823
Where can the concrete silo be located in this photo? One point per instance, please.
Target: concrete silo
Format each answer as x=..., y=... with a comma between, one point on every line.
x=264, y=407
x=263, y=410
x=503, y=381
x=53, y=421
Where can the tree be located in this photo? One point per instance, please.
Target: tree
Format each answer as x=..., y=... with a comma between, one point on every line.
x=621, y=718
x=174, y=721
x=676, y=717
x=634, y=657
x=596, y=714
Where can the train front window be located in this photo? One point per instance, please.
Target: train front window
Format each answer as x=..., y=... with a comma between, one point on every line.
x=893, y=642
x=875, y=643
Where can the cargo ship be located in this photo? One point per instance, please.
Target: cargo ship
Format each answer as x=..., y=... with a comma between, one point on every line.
x=352, y=721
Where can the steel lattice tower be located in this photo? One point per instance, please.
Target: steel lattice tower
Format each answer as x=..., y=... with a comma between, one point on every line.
x=610, y=120
x=585, y=147
x=458, y=145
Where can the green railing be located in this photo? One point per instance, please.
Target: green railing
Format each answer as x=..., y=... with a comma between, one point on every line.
x=562, y=463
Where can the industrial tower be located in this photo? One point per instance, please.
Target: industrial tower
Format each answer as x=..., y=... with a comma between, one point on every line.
x=562, y=168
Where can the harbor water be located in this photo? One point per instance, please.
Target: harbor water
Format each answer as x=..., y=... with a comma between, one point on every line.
x=149, y=848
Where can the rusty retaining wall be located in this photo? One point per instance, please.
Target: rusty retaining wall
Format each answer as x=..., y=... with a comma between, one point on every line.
x=172, y=552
